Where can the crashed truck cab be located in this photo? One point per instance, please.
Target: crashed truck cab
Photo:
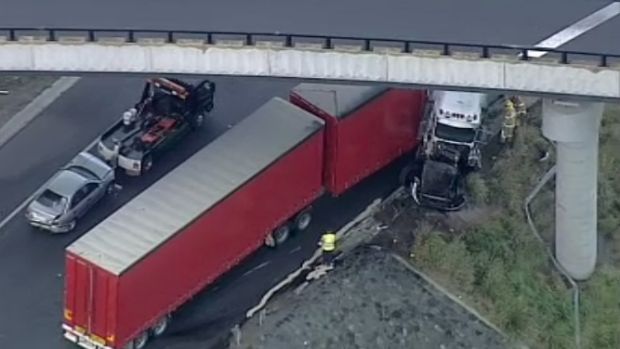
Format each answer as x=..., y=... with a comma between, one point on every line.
x=438, y=182
x=456, y=119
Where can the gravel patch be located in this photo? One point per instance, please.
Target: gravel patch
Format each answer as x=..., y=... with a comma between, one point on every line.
x=22, y=90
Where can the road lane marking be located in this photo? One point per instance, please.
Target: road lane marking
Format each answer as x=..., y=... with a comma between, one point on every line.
x=21, y=206
x=296, y=249
x=576, y=29
x=260, y=266
x=35, y=107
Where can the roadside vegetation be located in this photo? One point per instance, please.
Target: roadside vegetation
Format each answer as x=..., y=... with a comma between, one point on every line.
x=498, y=265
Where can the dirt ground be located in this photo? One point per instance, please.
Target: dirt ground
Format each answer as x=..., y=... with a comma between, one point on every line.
x=22, y=90
x=489, y=256
x=372, y=300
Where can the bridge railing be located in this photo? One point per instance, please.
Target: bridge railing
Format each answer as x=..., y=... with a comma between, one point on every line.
x=326, y=41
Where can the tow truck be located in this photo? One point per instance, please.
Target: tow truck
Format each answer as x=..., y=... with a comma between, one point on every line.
x=167, y=111
x=452, y=133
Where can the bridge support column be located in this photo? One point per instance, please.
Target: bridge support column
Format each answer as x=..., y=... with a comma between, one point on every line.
x=574, y=126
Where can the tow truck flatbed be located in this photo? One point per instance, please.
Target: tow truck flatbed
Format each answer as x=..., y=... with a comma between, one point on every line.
x=167, y=111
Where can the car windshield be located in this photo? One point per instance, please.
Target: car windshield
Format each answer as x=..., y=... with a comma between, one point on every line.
x=84, y=172
x=52, y=200
x=455, y=134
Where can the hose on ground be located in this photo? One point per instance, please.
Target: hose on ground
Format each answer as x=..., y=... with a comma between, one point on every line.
x=575, y=287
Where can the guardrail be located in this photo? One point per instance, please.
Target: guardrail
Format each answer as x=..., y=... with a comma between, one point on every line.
x=327, y=41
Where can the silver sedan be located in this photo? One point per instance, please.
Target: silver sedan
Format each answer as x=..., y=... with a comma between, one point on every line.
x=71, y=193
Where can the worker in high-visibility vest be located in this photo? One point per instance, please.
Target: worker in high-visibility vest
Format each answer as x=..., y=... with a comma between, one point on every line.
x=328, y=246
x=510, y=122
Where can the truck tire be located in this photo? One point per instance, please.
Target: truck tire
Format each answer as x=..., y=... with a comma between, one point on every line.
x=141, y=341
x=160, y=326
x=303, y=220
x=209, y=107
x=147, y=164
x=281, y=234
x=197, y=121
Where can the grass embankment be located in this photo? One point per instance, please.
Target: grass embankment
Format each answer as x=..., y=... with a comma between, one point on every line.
x=503, y=270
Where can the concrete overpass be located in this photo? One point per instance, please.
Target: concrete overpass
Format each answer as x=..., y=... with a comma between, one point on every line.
x=389, y=61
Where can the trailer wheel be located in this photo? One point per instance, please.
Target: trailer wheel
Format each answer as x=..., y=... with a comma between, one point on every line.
x=141, y=340
x=281, y=234
x=161, y=326
x=303, y=220
x=270, y=241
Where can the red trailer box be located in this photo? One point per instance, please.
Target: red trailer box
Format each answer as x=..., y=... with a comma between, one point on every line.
x=366, y=127
x=125, y=276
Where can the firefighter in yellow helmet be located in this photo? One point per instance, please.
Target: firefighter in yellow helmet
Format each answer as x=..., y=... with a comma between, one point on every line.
x=328, y=246
x=510, y=122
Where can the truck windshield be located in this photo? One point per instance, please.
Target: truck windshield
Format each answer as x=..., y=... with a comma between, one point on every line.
x=455, y=134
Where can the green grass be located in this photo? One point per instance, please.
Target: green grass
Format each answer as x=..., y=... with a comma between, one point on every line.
x=503, y=270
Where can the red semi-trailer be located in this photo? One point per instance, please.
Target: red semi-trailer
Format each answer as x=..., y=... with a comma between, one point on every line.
x=367, y=127
x=252, y=185
x=125, y=276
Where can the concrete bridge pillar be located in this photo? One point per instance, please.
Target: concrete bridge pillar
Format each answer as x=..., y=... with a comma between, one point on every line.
x=574, y=126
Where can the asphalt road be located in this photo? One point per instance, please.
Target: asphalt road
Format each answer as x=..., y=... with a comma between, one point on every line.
x=605, y=38
x=31, y=261
x=475, y=21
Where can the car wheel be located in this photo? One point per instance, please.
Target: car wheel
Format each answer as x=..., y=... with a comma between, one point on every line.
x=71, y=225
x=110, y=189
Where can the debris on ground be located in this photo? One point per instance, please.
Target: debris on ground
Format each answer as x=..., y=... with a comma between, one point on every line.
x=371, y=299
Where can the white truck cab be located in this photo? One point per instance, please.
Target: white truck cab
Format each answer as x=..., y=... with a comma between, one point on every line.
x=457, y=116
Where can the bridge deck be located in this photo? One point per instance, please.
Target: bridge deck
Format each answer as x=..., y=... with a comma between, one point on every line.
x=519, y=22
